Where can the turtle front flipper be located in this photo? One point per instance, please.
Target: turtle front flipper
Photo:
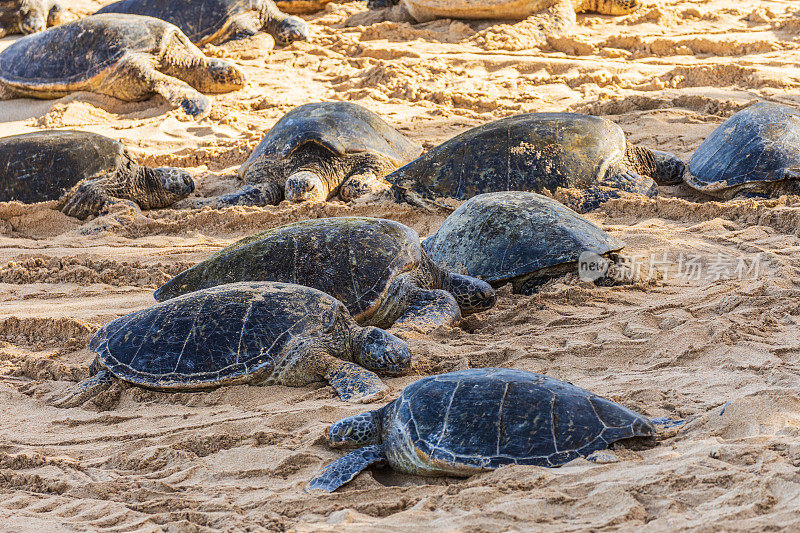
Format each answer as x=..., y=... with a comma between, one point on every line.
x=617, y=180
x=254, y=195
x=307, y=360
x=427, y=310
x=181, y=95
x=361, y=184
x=87, y=198
x=284, y=28
x=354, y=383
x=472, y=294
x=84, y=390
x=346, y=468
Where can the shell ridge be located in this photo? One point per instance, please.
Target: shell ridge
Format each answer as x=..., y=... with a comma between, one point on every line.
x=447, y=415
x=241, y=332
x=500, y=420
x=190, y=334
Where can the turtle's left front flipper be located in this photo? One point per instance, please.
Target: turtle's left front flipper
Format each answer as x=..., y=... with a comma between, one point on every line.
x=346, y=468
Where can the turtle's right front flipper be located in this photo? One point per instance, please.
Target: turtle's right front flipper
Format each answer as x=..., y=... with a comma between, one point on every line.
x=346, y=468
x=84, y=390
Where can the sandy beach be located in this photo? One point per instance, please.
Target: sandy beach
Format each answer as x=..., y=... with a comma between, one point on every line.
x=719, y=350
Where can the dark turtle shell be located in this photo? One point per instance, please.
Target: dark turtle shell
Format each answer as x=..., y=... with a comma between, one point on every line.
x=198, y=19
x=534, y=152
x=341, y=127
x=43, y=165
x=760, y=143
x=350, y=258
x=217, y=336
x=484, y=418
x=499, y=236
x=78, y=51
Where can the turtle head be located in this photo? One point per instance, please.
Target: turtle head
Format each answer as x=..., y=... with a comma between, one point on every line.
x=176, y=184
x=219, y=76
x=358, y=430
x=472, y=294
x=669, y=169
x=305, y=186
x=32, y=19
x=378, y=350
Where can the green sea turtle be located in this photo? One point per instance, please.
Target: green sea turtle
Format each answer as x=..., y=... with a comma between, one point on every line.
x=256, y=333
x=471, y=421
x=30, y=16
x=539, y=152
x=84, y=171
x=754, y=153
x=516, y=237
x=124, y=56
x=376, y=267
x=319, y=150
x=552, y=17
x=216, y=21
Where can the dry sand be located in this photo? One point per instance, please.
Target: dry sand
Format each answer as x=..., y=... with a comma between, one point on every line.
x=238, y=458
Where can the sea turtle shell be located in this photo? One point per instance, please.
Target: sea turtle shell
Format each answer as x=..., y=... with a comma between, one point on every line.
x=350, y=258
x=73, y=53
x=200, y=20
x=219, y=336
x=501, y=236
x=43, y=165
x=534, y=152
x=484, y=418
x=341, y=127
x=758, y=144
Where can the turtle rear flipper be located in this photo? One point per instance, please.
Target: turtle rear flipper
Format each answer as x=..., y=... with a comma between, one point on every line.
x=84, y=390
x=346, y=468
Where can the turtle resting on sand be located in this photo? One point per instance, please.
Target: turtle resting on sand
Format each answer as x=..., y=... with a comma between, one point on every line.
x=471, y=421
x=539, y=152
x=755, y=153
x=516, y=237
x=30, y=16
x=124, y=56
x=84, y=171
x=319, y=150
x=256, y=333
x=552, y=17
x=376, y=267
x=216, y=21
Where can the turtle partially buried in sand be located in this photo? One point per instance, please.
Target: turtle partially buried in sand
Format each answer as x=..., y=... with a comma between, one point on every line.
x=471, y=421
x=216, y=21
x=376, y=267
x=755, y=153
x=539, y=152
x=30, y=16
x=84, y=171
x=520, y=238
x=319, y=150
x=243, y=333
x=128, y=57
x=551, y=17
